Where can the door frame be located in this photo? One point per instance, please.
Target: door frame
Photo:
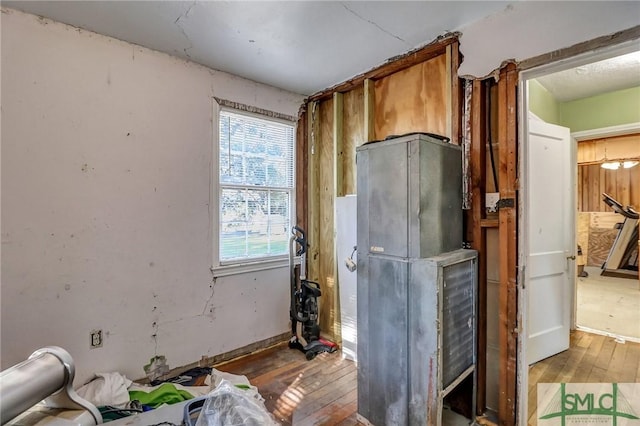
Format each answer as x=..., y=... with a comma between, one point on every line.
x=523, y=167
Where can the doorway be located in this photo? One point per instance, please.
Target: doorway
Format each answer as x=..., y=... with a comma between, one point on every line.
x=561, y=272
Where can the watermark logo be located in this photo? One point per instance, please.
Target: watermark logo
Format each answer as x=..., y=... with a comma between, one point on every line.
x=563, y=404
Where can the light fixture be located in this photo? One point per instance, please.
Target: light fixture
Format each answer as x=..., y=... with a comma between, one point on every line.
x=611, y=165
x=615, y=165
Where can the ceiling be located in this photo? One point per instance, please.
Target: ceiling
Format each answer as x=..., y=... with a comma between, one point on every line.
x=621, y=72
x=300, y=46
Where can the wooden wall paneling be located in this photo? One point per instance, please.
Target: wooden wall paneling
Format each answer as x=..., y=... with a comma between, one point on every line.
x=325, y=242
x=622, y=184
x=353, y=136
x=369, y=110
x=479, y=238
x=507, y=107
x=621, y=147
x=600, y=242
x=579, y=189
x=634, y=187
x=394, y=65
x=582, y=235
x=413, y=100
x=594, y=187
x=302, y=178
x=448, y=94
x=623, y=177
x=586, y=151
x=609, y=185
x=604, y=220
x=602, y=180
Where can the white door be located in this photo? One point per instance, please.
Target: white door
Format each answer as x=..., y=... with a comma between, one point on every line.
x=550, y=246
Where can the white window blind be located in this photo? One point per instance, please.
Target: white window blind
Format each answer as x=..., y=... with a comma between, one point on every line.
x=256, y=186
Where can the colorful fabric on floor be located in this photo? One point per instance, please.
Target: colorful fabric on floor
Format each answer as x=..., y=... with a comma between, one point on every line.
x=164, y=394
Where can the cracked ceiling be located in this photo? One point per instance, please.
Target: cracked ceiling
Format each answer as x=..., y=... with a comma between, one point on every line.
x=302, y=46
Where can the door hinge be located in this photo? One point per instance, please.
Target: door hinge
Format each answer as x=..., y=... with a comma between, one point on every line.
x=505, y=202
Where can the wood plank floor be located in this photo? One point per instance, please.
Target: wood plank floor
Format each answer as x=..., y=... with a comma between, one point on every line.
x=322, y=391
x=591, y=358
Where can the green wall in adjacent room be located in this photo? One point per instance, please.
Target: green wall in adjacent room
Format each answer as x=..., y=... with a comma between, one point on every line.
x=595, y=112
x=609, y=109
x=542, y=103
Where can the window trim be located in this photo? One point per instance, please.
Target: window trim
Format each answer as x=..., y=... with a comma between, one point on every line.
x=240, y=266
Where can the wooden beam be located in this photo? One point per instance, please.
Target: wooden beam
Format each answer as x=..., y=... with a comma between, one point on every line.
x=338, y=191
x=456, y=95
x=477, y=168
x=586, y=46
x=338, y=143
x=393, y=65
x=369, y=110
x=449, y=95
x=313, y=200
x=507, y=136
x=302, y=178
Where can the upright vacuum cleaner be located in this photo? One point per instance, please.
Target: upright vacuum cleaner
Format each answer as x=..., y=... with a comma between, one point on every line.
x=305, y=331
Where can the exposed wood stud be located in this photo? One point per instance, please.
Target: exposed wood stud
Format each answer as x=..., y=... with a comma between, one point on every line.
x=369, y=110
x=324, y=242
x=478, y=188
x=338, y=191
x=313, y=195
x=338, y=142
x=448, y=95
x=456, y=94
x=301, y=170
x=507, y=131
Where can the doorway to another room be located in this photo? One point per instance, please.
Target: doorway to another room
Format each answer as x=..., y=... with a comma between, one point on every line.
x=577, y=325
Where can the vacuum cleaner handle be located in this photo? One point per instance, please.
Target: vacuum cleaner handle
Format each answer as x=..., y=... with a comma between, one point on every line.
x=301, y=239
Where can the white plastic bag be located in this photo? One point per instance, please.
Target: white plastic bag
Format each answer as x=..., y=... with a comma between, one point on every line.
x=228, y=405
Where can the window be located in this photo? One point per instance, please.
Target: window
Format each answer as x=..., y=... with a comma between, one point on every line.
x=256, y=187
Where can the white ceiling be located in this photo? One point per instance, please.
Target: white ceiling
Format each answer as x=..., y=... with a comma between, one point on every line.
x=613, y=74
x=300, y=46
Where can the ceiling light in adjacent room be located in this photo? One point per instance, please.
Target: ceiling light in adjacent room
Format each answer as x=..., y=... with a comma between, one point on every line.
x=611, y=165
x=630, y=164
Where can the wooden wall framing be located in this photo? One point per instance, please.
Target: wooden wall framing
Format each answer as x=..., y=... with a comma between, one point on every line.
x=508, y=219
x=418, y=92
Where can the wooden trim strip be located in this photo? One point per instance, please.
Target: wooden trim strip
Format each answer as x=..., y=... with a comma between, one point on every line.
x=393, y=65
x=255, y=110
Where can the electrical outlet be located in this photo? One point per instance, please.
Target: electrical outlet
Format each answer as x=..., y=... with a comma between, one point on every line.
x=96, y=339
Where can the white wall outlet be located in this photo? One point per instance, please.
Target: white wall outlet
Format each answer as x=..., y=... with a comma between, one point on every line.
x=96, y=339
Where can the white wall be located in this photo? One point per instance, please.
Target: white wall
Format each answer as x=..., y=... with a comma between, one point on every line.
x=106, y=204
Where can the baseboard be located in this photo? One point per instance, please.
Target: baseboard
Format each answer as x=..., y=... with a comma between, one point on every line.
x=226, y=356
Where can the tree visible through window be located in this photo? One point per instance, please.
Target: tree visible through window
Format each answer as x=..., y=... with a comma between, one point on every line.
x=256, y=185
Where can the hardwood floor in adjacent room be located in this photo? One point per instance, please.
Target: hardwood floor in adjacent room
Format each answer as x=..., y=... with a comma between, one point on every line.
x=591, y=358
x=322, y=391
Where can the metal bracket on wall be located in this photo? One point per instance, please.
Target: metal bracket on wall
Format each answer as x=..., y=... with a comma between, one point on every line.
x=505, y=202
